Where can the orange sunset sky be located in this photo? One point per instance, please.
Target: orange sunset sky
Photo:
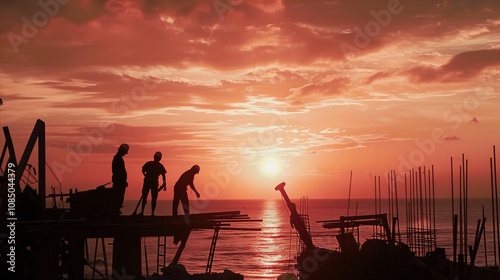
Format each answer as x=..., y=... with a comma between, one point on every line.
x=255, y=91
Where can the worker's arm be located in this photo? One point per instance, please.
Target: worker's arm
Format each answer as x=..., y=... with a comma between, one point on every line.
x=194, y=189
x=164, y=185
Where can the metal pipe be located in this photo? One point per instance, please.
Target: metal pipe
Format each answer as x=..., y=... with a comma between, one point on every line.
x=455, y=232
x=466, y=207
x=374, y=229
x=397, y=204
x=493, y=213
x=389, y=201
x=421, y=203
x=295, y=218
x=461, y=212
x=453, y=219
x=433, y=208
x=485, y=247
x=406, y=211
x=496, y=199
x=349, y=197
x=426, y=214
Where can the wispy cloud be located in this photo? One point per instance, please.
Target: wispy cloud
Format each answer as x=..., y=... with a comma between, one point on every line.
x=267, y=77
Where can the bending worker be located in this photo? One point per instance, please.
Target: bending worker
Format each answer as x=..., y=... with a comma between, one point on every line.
x=151, y=171
x=180, y=190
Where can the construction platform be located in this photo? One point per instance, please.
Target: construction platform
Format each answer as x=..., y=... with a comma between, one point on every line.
x=56, y=247
x=51, y=243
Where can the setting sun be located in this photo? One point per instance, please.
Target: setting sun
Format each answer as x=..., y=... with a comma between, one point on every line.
x=270, y=167
x=254, y=92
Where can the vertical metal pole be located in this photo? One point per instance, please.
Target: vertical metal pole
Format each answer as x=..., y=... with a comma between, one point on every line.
x=379, y=196
x=452, y=195
x=421, y=204
x=455, y=232
x=95, y=257
x=412, y=212
x=493, y=213
x=466, y=197
x=389, y=201
x=415, y=210
x=145, y=256
x=433, y=209
x=349, y=197
x=374, y=229
x=41, y=168
x=375, y=190
x=397, y=204
x=496, y=199
x=426, y=214
x=485, y=247
x=429, y=209
x=105, y=258
x=453, y=220
x=460, y=232
x=406, y=212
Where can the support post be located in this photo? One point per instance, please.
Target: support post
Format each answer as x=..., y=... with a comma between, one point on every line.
x=184, y=239
x=76, y=257
x=127, y=257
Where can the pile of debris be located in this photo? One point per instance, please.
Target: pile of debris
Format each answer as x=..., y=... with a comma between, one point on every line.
x=179, y=272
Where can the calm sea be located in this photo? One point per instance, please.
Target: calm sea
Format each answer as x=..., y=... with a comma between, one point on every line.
x=270, y=252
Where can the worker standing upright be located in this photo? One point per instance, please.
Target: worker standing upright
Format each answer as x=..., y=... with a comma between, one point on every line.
x=151, y=171
x=119, y=177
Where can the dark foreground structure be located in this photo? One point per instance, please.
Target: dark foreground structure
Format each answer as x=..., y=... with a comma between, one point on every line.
x=380, y=258
x=37, y=242
x=55, y=249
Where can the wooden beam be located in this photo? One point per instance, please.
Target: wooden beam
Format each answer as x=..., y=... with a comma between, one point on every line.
x=184, y=239
x=127, y=257
x=75, y=259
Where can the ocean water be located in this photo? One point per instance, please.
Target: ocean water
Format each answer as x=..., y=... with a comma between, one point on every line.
x=267, y=253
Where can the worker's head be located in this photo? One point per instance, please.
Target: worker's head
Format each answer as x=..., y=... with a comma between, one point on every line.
x=196, y=169
x=157, y=156
x=123, y=148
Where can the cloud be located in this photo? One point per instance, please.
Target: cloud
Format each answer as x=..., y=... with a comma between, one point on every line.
x=330, y=131
x=267, y=75
x=329, y=86
x=461, y=67
x=186, y=33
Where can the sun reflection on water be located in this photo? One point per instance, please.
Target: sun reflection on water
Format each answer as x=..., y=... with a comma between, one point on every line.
x=274, y=241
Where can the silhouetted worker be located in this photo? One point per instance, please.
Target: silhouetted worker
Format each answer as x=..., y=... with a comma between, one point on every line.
x=180, y=190
x=119, y=177
x=151, y=171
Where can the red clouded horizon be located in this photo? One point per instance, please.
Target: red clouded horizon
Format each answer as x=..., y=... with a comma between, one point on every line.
x=255, y=92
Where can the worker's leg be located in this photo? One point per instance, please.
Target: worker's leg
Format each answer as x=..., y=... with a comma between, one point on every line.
x=185, y=202
x=175, y=203
x=154, y=197
x=145, y=191
x=121, y=195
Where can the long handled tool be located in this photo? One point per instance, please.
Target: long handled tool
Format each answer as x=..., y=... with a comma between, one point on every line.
x=138, y=203
x=162, y=187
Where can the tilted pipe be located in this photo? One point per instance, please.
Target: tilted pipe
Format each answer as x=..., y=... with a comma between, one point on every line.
x=295, y=218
